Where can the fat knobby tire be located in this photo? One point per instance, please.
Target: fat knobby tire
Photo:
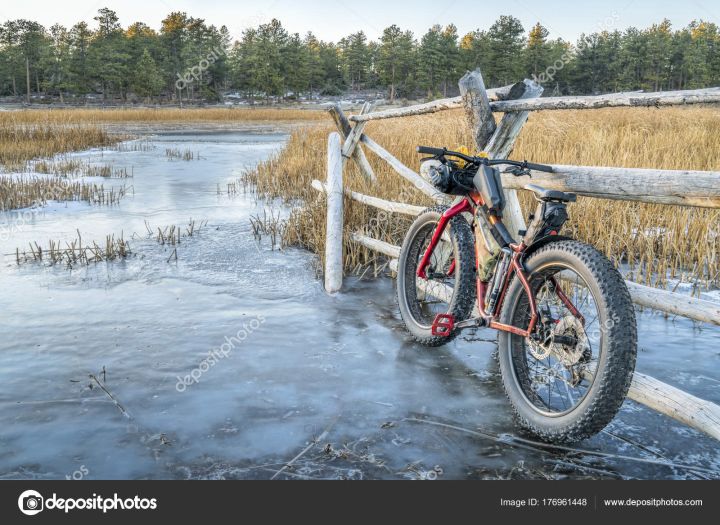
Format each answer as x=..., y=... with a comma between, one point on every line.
x=618, y=351
x=463, y=299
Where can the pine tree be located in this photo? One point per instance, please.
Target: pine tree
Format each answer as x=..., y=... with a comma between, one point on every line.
x=270, y=39
x=450, y=65
x=32, y=48
x=355, y=59
x=173, y=33
x=505, y=45
x=11, y=63
x=537, y=52
x=57, y=66
x=633, y=59
x=659, y=55
x=474, y=52
x=316, y=73
x=396, y=59
x=430, y=61
x=80, y=36
x=296, y=66
x=702, y=54
x=107, y=55
x=147, y=78
x=331, y=61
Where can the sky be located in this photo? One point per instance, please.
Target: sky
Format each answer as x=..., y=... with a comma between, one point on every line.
x=333, y=19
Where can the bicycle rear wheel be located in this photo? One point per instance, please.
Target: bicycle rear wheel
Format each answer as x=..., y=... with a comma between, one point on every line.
x=568, y=380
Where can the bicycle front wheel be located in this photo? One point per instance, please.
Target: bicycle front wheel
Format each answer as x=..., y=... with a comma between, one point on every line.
x=450, y=286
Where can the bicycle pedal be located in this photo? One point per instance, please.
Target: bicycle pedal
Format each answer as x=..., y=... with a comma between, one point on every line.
x=443, y=325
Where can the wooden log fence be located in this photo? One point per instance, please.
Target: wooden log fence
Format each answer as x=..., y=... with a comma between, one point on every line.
x=686, y=188
x=503, y=93
x=615, y=100
x=672, y=187
x=357, y=154
x=334, y=241
x=375, y=202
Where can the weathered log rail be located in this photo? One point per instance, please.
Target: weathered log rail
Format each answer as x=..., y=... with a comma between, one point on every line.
x=508, y=104
x=503, y=93
x=683, y=187
x=672, y=187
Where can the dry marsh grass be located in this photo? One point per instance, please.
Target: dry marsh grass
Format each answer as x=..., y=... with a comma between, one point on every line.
x=26, y=192
x=43, y=133
x=271, y=226
x=656, y=241
x=74, y=253
x=177, y=154
x=84, y=116
x=35, y=140
x=20, y=143
x=173, y=234
x=80, y=168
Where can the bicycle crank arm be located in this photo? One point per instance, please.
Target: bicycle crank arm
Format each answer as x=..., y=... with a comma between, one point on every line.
x=476, y=322
x=444, y=325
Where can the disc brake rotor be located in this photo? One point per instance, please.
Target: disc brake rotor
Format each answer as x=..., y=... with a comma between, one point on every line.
x=570, y=355
x=539, y=351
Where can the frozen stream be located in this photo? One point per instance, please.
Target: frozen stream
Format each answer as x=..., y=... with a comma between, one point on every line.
x=337, y=369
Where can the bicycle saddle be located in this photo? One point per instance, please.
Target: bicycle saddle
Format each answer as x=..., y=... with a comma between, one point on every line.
x=551, y=195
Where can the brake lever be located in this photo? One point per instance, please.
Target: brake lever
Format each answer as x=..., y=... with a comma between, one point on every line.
x=518, y=171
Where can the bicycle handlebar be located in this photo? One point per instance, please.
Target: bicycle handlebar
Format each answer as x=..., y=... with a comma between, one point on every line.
x=436, y=152
x=537, y=167
x=444, y=152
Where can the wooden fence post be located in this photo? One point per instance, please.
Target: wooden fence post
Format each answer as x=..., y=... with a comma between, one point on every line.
x=497, y=141
x=345, y=129
x=352, y=141
x=334, y=229
x=501, y=145
x=477, y=107
x=682, y=187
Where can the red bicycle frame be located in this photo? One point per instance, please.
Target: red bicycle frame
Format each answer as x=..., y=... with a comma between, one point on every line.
x=470, y=204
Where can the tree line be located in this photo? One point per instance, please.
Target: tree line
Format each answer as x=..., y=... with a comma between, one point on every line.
x=190, y=59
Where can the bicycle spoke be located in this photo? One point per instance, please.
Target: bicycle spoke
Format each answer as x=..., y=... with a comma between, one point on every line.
x=565, y=374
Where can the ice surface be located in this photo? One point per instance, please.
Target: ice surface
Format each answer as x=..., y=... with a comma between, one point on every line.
x=307, y=363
